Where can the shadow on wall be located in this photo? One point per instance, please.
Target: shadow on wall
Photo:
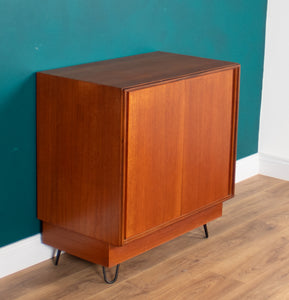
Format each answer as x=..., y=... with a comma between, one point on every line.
x=18, y=162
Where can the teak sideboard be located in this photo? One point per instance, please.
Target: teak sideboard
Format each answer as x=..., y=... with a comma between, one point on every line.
x=133, y=152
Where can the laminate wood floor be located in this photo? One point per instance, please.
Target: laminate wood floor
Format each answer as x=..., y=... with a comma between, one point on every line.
x=245, y=257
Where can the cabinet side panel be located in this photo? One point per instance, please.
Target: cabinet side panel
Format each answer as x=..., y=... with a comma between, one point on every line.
x=208, y=140
x=235, y=109
x=154, y=161
x=79, y=156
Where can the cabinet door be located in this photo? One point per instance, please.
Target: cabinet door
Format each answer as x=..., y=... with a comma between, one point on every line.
x=207, y=140
x=154, y=157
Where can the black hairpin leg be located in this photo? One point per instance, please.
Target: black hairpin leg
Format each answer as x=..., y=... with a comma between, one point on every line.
x=57, y=257
x=115, y=276
x=206, y=230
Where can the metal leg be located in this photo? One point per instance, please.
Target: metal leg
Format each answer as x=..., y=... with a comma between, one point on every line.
x=57, y=257
x=115, y=276
x=206, y=230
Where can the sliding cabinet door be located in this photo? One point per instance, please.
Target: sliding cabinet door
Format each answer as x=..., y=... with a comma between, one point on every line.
x=208, y=145
x=154, y=156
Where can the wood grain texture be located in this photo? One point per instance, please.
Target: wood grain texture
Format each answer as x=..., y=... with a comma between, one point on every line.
x=154, y=156
x=207, y=140
x=76, y=244
x=131, y=148
x=162, y=235
x=234, y=129
x=245, y=257
x=136, y=70
x=109, y=255
x=79, y=157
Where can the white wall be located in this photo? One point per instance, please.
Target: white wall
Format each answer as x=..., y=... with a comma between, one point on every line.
x=274, y=120
x=274, y=123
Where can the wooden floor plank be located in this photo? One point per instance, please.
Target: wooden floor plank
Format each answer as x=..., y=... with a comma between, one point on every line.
x=245, y=257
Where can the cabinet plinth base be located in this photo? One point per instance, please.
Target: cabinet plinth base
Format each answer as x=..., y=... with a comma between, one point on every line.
x=109, y=255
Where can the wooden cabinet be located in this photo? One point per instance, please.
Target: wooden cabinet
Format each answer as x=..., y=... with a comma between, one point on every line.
x=133, y=152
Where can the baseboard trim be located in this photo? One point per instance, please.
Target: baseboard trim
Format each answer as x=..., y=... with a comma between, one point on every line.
x=31, y=251
x=247, y=167
x=23, y=254
x=273, y=166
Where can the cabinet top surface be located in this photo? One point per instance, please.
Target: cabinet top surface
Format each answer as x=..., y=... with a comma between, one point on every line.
x=137, y=70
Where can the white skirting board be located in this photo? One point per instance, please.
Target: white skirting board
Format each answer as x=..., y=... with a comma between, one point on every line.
x=247, y=167
x=273, y=166
x=31, y=251
x=23, y=254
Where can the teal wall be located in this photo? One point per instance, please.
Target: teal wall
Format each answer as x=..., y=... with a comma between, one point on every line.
x=37, y=35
